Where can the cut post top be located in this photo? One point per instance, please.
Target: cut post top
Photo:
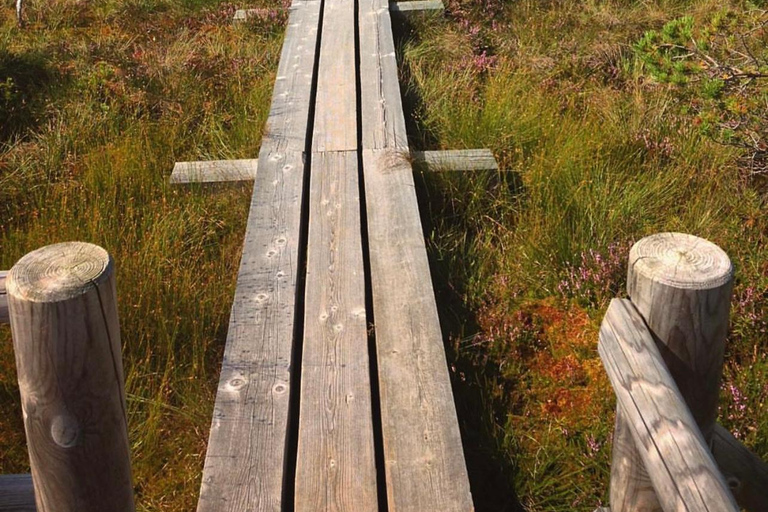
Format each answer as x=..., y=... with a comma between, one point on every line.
x=59, y=272
x=680, y=260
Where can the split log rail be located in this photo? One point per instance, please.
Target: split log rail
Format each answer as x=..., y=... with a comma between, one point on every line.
x=663, y=351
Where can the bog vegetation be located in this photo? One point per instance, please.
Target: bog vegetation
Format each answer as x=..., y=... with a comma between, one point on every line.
x=614, y=119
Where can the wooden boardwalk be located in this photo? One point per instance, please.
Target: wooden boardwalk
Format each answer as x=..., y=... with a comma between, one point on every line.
x=334, y=391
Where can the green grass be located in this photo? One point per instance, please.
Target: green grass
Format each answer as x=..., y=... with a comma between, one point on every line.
x=604, y=145
x=609, y=131
x=100, y=99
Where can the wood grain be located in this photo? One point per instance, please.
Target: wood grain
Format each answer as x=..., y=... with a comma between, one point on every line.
x=424, y=460
x=423, y=455
x=416, y=6
x=246, y=457
x=681, y=285
x=670, y=444
x=214, y=171
x=17, y=494
x=456, y=160
x=66, y=338
x=336, y=470
x=4, y=319
x=381, y=106
x=745, y=473
x=335, y=126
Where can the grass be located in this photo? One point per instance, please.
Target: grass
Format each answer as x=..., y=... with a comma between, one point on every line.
x=612, y=124
x=99, y=100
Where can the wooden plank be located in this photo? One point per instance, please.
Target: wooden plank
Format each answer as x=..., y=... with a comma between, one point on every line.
x=214, y=171
x=336, y=102
x=423, y=455
x=673, y=450
x=457, y=160
x=4, y=319
x=336, y=469
x=381, y=105
x=244, y=465
x=424, y=460
x=416, y=6
x=745, y=473
x=17, y=493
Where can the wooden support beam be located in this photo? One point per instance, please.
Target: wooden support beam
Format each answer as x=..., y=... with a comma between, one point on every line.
x=672, y=448
x=417, y=6
x=4, y=319
x=66, y=337
x=17, y=493
x=218, y=171
x=214, y=171
x=681, y=285
x=456, y=160
x=745, y=472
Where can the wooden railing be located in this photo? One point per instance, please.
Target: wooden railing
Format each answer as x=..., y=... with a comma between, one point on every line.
x=663, y=351
x=61, y=302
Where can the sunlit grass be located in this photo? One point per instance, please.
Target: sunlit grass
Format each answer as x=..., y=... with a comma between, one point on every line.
x=596, y=156
x=101, y=99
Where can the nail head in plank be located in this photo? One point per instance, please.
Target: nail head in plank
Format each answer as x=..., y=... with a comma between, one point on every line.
x=424, y=460
x=457, y=160
x=336, y=468
x=672, y=448
x=336, y=101
x=244, y=465
x=214, y=171
x=17, y=494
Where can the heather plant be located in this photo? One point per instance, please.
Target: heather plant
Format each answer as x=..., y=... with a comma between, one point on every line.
x=610, y=123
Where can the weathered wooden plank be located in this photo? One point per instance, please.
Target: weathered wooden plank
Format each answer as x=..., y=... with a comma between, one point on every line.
x=3, y=298
x=457, y=160
x=381, y=105
x=416, y=6
x=335, y=126
x=286, y=127
x=214, y=171
x=244, y=466
x=424, y=460
x=745, y=472
x=17, y=494
x=666, y=435
x=423, y=456
x=336, y=469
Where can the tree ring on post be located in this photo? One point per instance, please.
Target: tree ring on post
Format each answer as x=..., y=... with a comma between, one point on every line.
x=59, y=272
x=680, y=260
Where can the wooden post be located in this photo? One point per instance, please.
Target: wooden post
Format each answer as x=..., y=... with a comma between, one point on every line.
x=681, y=285
x=3, y=300
x=63, y=310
